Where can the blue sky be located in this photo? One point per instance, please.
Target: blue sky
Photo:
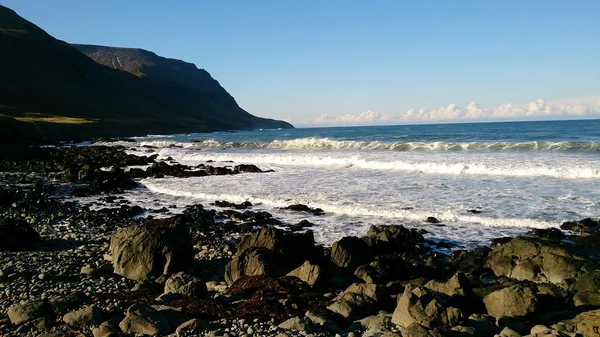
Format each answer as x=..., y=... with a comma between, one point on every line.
x=323, y=60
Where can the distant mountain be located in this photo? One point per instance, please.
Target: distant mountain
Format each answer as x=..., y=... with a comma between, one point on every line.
x=50, y=90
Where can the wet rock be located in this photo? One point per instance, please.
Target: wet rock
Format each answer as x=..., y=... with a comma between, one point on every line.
x=88, y=316
x=153, y=249
x=432, y=219
x=17, y=235
x=39, y=314
x=186, y=285
x=394, y=238
x=514, y=301
x=247, y=168
x=429, y=309
x=304, y=208
x=582, y=225
x=144, y=320
x=553, y=234
x=309, y=273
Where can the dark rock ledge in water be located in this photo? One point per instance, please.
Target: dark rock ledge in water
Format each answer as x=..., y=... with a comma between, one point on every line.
x=66, y=270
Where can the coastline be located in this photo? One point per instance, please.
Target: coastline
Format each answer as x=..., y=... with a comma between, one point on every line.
x=236, y=280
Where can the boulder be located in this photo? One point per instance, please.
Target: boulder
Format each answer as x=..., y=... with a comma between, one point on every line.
x=151, y=250
x=252, y=262
x=106, y=329
x=427, y=308
x=349, y=252
x=88, y=316
x=309, y=273
x=39, y=314
x=553, y=234
x=586, y=323
x=17, y=235
x=417, y=330
x=186, y=285
x=144, y=320
x=513, y=301
x=394, y=238
x=247, y=168
x=293, y=248
x=359, y=300
x=537, y=260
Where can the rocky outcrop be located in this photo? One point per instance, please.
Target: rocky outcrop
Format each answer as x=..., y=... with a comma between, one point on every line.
x=151, y=250
x=537, y=260
x=395, y=238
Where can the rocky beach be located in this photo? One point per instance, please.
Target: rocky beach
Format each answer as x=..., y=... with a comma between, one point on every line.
x=67, y=269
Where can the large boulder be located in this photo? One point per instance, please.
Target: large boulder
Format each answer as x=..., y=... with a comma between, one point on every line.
x=186, y=285
x=427, y=308
x=17, y=235
x=393, y=238
x=349, y=252
x=150, y=250
x=537, y=260
x=514, y=301
x=585, y=324
x=294, y=248
x=142, y=319
x=252, y=262
x=39, y=314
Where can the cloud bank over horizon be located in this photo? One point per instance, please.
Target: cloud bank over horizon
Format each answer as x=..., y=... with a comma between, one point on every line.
x=538, y=109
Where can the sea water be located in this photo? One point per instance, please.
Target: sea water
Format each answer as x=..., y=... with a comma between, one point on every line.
x=481, y=180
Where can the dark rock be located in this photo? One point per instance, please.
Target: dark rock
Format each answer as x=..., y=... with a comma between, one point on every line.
x=88, y=316
x=395, y=238
x=553, y=234
x=431, y=219
x=145, y=320
x=17, y=235
x=153, y=249
x=582, y=225
x=247, y=168
x=186, y=285
x=349, y=252
x=38, y=314
x=304, y=208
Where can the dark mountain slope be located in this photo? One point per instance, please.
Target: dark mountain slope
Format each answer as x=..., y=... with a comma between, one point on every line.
x=50, y=91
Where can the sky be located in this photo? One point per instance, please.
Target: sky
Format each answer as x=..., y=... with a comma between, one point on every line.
x=315, y=62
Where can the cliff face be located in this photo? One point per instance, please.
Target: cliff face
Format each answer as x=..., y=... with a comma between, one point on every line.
x=51, y=91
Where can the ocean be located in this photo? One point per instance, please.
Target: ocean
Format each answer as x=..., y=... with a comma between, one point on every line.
x=481, y=180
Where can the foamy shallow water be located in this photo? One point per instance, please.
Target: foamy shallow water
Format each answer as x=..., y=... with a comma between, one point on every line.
x=359, y=183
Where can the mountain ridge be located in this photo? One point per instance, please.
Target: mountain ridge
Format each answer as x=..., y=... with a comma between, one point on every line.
x=51, y=91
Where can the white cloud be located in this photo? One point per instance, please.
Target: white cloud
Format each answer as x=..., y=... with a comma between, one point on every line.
x=538, y=109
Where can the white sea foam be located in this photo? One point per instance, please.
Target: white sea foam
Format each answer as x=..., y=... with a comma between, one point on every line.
x=313, y=143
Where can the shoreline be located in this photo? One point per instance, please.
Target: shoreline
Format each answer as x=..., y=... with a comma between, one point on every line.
x=235, y=276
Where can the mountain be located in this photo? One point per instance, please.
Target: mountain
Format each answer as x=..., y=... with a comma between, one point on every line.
x=50, y=90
